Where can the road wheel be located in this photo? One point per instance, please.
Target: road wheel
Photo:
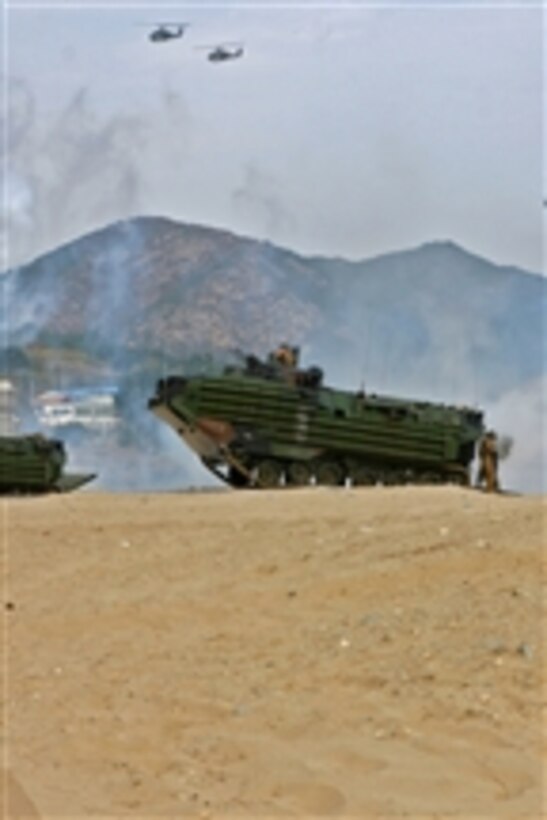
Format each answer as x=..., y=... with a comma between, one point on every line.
x=363, y=477
x=268, y=473
x=298, y=474
x=329, y=474
x=391, y=478
x=459, y=477
x=428, y=478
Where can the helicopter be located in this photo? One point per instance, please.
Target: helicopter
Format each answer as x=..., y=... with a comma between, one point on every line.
x=224, y=51
x=166, y=31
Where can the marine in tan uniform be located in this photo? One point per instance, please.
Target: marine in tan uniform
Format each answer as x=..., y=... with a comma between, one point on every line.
x=286, y=356
x=488, y=463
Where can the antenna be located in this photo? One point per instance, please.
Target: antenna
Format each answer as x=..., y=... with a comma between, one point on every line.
x=362, y=382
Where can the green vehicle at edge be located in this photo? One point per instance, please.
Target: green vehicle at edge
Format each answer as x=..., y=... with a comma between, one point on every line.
x=266, y=424
x=34, y=464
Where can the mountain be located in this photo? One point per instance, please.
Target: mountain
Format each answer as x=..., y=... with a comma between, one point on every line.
x=434, y=319
x=160, y=286
x=146, y=297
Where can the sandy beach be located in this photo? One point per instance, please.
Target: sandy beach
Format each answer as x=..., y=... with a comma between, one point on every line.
x=367, y=653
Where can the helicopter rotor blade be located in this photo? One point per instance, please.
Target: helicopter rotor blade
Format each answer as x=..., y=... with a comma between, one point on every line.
x=159, y=25
x=219, y=46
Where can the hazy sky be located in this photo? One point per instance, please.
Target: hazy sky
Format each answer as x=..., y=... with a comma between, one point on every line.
x=346, y=129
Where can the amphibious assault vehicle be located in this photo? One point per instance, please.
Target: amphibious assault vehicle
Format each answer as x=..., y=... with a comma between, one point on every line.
x=269, y=424
x=34, y=464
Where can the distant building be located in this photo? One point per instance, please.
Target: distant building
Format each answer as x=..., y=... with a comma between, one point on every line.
x=92, y=409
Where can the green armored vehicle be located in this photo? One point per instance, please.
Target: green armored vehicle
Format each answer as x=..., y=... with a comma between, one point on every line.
x=34, y=464
x=269, y=424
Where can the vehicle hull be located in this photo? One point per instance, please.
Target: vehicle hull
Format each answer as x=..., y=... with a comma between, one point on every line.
x=237, y=422
x=34, y=464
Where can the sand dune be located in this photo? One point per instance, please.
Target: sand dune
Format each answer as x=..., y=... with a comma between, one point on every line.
x=316, y=653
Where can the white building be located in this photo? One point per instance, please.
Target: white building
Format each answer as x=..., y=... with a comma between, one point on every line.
x=85, y=409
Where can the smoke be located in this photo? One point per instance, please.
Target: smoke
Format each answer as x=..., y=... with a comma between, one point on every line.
x=259, y=198
x=18, y=113
x=112, y=302
x=143, y=456
x=78, y=167
x=505, y=446
x=16, y=118
x=25, y=310
x=95, y=161
x=19, y=201
x=66, y=174
x=521, y=416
